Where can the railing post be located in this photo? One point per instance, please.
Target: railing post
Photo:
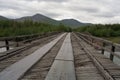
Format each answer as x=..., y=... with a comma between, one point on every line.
x=7, y=44
x=112, y=51
x=103, y=46
x=17, y=44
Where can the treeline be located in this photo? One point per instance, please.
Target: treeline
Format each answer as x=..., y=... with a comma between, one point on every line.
x=108, y=30
x=15, y=28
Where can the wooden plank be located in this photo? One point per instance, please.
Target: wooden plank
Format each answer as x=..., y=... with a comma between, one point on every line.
x=18, y=69
x=63, y=66
x=61, y=70
x=66, y=52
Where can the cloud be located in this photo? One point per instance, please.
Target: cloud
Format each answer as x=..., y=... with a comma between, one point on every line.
x=47, y=0
x=94, y=11
x=52, y=14
x=105, y=15
x=85, y=9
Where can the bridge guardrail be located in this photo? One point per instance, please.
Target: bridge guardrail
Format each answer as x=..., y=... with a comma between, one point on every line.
x=102, y=44
x=23, y=39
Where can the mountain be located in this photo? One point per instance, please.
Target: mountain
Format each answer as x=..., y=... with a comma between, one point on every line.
x=72, y=23
x=44, y=19
x=41, y=18
x=3, y=18
x=38, y=18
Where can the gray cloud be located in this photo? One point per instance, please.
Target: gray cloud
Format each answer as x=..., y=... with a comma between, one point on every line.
x=94, y=11
x=86, y=9
x=52, y=15
x=48, y=0
x=105, y=15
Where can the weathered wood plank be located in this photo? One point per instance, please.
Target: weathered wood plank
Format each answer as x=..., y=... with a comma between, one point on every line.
x=61, y=70
x=66, y=52
x=63, y=66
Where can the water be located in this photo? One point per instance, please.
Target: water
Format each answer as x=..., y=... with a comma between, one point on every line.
x=116, y=60
x=4, y=49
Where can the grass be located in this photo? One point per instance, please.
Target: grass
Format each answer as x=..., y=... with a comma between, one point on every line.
x=114, y=39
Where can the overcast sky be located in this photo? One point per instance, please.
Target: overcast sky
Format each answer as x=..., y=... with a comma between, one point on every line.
x=92, y=11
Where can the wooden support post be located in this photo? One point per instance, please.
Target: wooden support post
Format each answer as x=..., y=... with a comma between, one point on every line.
x=17, y=44
x=7, y=44
x=103, y=46
x=112, y=51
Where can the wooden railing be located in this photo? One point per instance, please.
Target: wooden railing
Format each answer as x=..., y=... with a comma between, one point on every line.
x=22, y=39
x=102, y=44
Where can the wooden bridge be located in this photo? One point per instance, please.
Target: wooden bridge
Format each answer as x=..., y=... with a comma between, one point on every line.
x=60, y=56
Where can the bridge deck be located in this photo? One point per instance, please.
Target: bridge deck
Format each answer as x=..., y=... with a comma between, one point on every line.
x=75, y=60
x=15, y=71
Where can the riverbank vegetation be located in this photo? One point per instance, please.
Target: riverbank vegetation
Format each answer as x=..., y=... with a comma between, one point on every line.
x=99, y=30
x=108, y=31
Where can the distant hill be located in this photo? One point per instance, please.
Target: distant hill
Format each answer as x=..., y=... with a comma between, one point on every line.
x=3, y=18
x=44, y=19
x=38, y=18
x=72, y=23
